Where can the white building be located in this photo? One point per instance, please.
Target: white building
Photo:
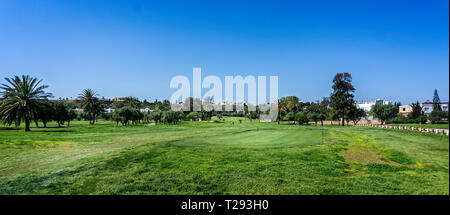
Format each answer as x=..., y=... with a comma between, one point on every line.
x=146, y=110
x=109, y=110
x=367, y=106
x=427, y=107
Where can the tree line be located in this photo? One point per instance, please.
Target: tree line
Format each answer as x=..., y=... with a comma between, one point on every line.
x=390, y=113
x=339, y=106
x=23, y=99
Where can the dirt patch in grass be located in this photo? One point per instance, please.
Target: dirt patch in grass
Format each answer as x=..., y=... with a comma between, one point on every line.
x=364, y=155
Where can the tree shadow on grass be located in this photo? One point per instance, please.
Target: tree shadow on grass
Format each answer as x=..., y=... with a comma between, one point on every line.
x=296, y=124
x=9, y=128
x=51, y=131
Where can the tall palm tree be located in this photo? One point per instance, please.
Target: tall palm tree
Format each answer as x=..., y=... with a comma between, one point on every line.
x=90, y=104
x=22, y=99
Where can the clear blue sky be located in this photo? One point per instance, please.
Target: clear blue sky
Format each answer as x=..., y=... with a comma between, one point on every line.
x=396, y=50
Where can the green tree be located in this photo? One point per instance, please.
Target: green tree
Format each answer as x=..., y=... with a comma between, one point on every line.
x=252, y=115
x=399, y=119
x=435, y=116
x=333, y=115
x=106, y=116
x=165, y=105
x=323, y=110
x=116, y=116
x=156, y=116
x=290, y=117
x=444, y=115
x=416, y=111
x=132, y=102
x=193, y=116
x=72, y=115
x=436, y=101
x=91, y=105
x=342, y=97
x=301, y=118
x=136, y=116
x=383, y=112
x=180, y=116
x=170, y=116
x=397, y=107
x=147, y=117
x=60, y=114
x=313, y=116
x=318, y=111
x=279, y=107
x=126, y=114
x=356, y=114
x=22, y=99
x=288, y=104
x=422, y=119
x=45, y=113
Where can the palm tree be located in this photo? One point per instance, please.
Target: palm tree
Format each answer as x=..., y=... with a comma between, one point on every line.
x=131, y=102
x=22, y=99
x=90, y=104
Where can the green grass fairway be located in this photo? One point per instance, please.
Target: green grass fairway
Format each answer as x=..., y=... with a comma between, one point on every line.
x=222, y=158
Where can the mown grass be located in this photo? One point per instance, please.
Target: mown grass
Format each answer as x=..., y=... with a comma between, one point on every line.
x=222, y=158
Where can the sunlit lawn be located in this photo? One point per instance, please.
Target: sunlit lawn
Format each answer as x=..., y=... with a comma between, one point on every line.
x=222, y=158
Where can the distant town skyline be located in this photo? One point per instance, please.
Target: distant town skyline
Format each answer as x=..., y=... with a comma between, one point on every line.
x=162, y=99
x=396, y=51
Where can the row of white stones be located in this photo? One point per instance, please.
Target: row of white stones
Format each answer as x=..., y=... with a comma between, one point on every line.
x=412, y=128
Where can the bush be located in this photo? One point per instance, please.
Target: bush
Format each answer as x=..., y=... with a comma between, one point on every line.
x=436, y=116
x=60, y=113
x=126, y=114
x=422, y=119
x=181, y=116
x=399, y=119
x=313, y=116
x=445, y=116
x=290, y=116
x=215, y=119
x=193, y=116
x=156, y=116
x=253, y=115
x=301, y=118
x=172, y=116
x=106, y=116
